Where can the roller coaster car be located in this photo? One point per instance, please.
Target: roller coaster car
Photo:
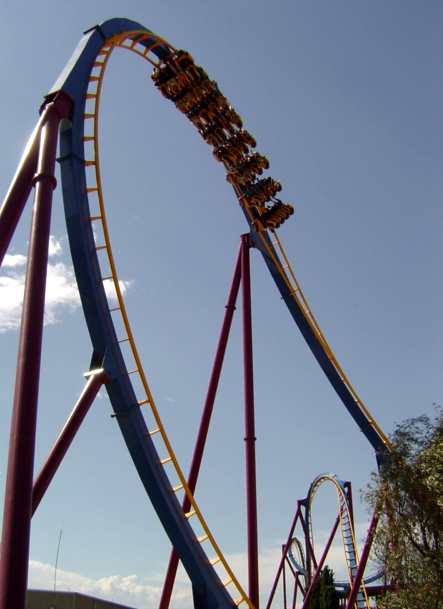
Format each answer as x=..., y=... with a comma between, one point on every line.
x=252, y=165
x=209, y=106
x=259, y=193
x=182, y=59
x=240, y=141
x=212, y=134
x=229, y=155
x=242, y=136
x=273, y=217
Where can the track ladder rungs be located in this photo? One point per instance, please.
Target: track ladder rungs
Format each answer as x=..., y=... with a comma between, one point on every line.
x=215, y=560
x=179, y=488
x=153, y=432
x=238, y=601
x=163, y=461
x=202, y=538
x=228, y=581
x=189, y=514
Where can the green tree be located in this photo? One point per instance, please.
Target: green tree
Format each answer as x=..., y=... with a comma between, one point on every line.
x=324, y=595
x=409, y=538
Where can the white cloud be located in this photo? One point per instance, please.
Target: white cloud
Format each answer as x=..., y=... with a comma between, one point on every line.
x=61, y=291
x=126, y=589
x=11, y=260
x=110, y=291
x=55, y=247
x=61, y=288
x=145, y=592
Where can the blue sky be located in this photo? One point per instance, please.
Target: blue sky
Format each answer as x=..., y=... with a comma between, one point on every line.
x=344, y=99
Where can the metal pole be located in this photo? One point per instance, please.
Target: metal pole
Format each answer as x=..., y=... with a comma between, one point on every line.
x=20, y=188
x=95, y=381
x=205, y=421
x=18, y=492
x=322, y=560
x=283, y=558
x=250, y=439
x=285, y=606
x=363, y=559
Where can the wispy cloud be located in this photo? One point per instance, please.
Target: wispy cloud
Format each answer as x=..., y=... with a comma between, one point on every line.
x=61, y=288
x=125, y=589
x=145, y=592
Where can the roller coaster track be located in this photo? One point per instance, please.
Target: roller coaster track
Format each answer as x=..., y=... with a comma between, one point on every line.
x=347, y=530
x=189, y=88
x=303, y=561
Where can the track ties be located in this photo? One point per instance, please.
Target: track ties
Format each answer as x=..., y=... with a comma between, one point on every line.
x=163, y=461
x=179, y=488
x=88, y=138
x=153, y=432
x=215, y=560
x=226, y=582
x=101, y=247
x=189, y=514
x=89, y=115
x=203, y=538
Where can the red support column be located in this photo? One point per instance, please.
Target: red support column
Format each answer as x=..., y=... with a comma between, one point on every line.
x=251, y=481
x=205, y=421
x=18, y=492
x=322, y=560
x=363, y=559
x=20, y=188
x=96, y=379
x=285, y=553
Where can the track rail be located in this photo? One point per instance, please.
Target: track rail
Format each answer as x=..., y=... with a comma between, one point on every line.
x=189, y=88
x=95, y=270
x=347, y=531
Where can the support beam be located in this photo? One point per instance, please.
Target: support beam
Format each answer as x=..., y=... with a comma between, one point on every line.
x=322, y=560
x=363, y=559
x=205, y=421
x=250, y=439
x=96, y=379
x=14, y=556
x=20, y=188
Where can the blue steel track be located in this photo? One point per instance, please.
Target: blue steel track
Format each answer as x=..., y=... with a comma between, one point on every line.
x=207, y=588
